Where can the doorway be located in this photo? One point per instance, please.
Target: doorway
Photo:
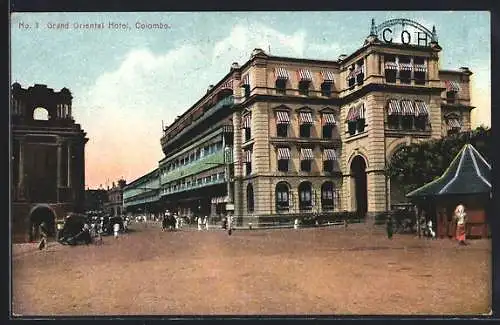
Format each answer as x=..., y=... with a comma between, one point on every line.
x=39, y=214
x=358, y=172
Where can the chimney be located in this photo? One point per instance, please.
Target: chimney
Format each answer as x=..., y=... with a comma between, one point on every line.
x=234, y=66
x=465, y=70
x=342, y=57
x=210, y=87
x=257, y=51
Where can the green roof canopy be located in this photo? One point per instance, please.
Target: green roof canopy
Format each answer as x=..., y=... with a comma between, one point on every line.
x=468, y=173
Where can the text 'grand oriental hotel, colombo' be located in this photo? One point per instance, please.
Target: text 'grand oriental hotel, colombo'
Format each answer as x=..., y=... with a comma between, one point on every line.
x=280, y=136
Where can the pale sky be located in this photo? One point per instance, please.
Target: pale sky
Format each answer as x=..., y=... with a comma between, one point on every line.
x=125, y=82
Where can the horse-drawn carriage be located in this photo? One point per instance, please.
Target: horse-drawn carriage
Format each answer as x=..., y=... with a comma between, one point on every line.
x=75, y=230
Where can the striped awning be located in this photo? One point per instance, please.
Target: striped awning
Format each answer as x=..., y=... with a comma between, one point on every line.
x=329, y=154
x=245, y=80
x=282, y=117
x=391, y=65
x=327, y=76
x=352, y=74
x=306, y=154
x=359, y=70
x=454, y=123
x=407, y=107
x=281, y=73
x=405, y=66
x=452, y=85
x=227, y=85
x=329, y=119
x=247, y=156
x=247, y=121
x=306, y=118
x=394, y=107
x=305, y=75
x=219, y=199
x=421, y=108
x=353, y=114
x=284, y=153
x=419, y=67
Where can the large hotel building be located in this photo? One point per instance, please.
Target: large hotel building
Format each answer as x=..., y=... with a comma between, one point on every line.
x=280, y=136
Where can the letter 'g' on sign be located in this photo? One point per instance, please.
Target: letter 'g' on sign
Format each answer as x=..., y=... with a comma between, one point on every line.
x=384, y=36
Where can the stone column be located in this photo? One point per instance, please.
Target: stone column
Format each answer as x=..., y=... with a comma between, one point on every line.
x=20, y=181
x=59, y=171
x=237, y=167
x=69, y=165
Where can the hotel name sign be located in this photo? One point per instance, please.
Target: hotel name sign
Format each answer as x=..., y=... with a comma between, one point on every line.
x=404, y=31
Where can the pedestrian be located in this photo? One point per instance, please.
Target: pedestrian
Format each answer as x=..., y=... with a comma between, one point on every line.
x=432, y=234
x=205, y=222
x=460, y=218
x=296, y=223
x=116, y=229
x=125, y=224
x=59, y=227
x=389, y=227
x=229, y=225
x=200, y=223
x=43, y=229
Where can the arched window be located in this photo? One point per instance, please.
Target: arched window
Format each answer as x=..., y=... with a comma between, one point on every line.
x=305, y=196
x=327, y=196
x=250, y=199
x=40, y=113
x=282, y=196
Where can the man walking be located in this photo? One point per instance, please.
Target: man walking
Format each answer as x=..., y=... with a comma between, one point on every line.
x=390, y=226
x=43, y=236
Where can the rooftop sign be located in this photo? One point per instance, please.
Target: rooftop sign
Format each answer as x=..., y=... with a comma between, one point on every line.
x=403, y=31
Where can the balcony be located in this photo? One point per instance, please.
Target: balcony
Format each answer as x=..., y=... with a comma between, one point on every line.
x=205, y=163
x=227, y=101
x=192, y=186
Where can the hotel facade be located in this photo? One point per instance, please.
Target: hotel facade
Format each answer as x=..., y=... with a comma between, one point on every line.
x=280, y=136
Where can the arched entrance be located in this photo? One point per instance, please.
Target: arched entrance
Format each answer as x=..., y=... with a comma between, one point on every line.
x=39, y=214
x=358, y=172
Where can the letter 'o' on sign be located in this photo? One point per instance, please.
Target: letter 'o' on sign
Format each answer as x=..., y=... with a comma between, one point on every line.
x=405, y=37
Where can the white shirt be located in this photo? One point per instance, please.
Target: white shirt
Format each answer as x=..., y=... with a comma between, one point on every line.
x=116, y=227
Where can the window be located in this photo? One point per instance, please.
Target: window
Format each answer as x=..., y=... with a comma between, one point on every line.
x=360, y=72
x=247, y=159
x=283, y=165
x=356, y=119
x=405, y=69
x=281, y=86
x=306, y=158
x=351, y=80
x=327, y=196
x=419, y=69
x=305, y=196
x=246, y=89
x=454, y=125
x=305, y=165
x=40, y=114
x=327, y=131
x=250, y=199
x=247, y=124
x=326, y=89
x=304, y=87
x=328, y=166
x=282, y=121
x=450, y=97
x=305, y=130
x=282, y=130
x=282, y=196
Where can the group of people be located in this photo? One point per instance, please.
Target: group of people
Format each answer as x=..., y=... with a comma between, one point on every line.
x=459, y=217
x=172, y=221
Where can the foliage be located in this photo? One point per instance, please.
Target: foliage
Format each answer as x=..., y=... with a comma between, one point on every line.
x=417, y=164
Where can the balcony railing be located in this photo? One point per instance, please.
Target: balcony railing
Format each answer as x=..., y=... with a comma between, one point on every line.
x=192, y=187
x=207, y=162
x=227, y=101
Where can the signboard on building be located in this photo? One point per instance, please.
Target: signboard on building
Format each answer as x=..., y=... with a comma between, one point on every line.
x=404, y=31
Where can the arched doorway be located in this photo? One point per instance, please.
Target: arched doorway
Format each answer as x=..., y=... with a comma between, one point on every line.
x=358, y=172
x=305, y=196
x=39, y=214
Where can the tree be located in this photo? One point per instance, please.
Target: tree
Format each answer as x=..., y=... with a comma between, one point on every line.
x=417, y=164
